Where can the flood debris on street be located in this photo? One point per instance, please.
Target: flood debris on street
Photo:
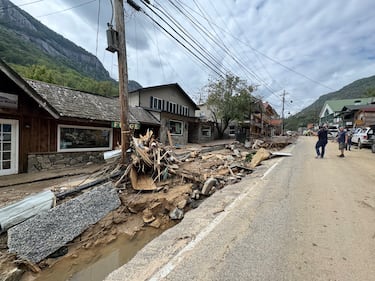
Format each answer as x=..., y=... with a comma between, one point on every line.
x=158, y=185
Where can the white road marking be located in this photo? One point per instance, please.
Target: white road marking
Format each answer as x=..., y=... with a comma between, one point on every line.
x=168, y=268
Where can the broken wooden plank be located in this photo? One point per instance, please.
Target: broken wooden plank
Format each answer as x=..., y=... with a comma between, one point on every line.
x=141, y=182
x=144, y=156
x=169, y=138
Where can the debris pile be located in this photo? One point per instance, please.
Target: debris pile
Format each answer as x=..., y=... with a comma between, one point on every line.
x=154, y=167
x=157, y=186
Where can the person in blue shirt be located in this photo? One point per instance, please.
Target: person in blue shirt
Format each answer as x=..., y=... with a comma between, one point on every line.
x=322, y=141
x=342, y=139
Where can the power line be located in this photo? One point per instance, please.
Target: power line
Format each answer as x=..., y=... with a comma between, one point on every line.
x=212, y=67
x=199, y=26
x=200, y=50
x=67, y=9
x=190, y=37
x=220, y=45
x=97, y=31
x=19, y=5
x=266, y=56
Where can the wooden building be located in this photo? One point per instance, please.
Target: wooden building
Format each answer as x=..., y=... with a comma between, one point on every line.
x=45, y=126
x=365, y=117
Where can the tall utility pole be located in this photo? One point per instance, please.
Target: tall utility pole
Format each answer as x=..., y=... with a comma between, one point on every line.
x=123, y=78
x=282, y=114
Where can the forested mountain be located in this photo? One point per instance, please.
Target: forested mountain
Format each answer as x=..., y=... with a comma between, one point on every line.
x=39, y=53
x=358, y=89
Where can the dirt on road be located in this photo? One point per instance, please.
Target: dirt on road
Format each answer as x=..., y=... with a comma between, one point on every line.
x=303, y=219
x=139, y=209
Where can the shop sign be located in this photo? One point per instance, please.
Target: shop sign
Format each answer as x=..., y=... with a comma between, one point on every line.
x=8, y=101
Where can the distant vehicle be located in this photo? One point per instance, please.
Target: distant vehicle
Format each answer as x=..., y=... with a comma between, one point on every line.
x=372, y=142
x=361, y=136
x=332, y=132
x=372, y=139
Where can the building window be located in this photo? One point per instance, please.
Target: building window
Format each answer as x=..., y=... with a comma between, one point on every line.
x=156, y=103
x=232, y=130
x=79, y=138
x=175, y=127
x=206, y=131
x=172, y=107
x=185, y=110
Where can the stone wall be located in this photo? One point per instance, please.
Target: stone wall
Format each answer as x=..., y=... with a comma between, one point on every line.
x=59, y=160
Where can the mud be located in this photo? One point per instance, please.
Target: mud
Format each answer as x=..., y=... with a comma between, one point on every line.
x=96, y=262
x=141, y=217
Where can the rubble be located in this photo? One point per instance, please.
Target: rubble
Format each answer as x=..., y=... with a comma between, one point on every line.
x=159, y=184
x=42, y=235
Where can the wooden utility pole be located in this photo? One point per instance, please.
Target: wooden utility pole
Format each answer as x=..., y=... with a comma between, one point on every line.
x=123, y=78
x=282, y=114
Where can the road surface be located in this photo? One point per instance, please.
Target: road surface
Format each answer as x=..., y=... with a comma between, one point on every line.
x=300, y=219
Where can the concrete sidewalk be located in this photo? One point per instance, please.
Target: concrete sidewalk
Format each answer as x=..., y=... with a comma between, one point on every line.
x=14, y=180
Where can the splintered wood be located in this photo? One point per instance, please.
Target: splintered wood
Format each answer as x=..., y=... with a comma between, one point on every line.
x=153, y=165
x=149, y=162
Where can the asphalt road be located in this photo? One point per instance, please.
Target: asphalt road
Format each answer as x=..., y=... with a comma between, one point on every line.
x=297, y=218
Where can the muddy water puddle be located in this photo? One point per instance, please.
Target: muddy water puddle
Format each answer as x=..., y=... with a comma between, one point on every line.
x=95, y=264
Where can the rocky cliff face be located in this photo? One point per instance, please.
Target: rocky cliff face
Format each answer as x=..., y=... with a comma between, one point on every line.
x=30, y=31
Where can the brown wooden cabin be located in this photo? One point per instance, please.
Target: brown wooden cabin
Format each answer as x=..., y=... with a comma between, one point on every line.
x=38, y=118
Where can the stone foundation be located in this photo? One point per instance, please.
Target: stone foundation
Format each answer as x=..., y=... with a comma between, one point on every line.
x=39, y=162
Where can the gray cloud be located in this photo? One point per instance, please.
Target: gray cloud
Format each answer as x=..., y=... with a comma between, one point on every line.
x=329, y=41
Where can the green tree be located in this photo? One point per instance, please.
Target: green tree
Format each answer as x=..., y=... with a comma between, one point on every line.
x=229, y=98
x=370, y=92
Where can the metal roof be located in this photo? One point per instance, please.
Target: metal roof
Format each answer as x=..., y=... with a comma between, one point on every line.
x=337, y=105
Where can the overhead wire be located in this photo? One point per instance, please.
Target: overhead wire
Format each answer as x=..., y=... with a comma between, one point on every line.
x=97, y=30
x=154, y=39
x=268, y=57
x=251, y=73
x=67, y=9
x=212, y=67
x=175, y=22
x=112, y=12
x=221, y=44
x=19, y=5
x=190, y=37
x=217, y=69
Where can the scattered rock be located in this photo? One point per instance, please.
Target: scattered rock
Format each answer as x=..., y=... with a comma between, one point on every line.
x=13, y=274
x=176, y=214
x=208, y=185
x=148, y=217
x=156, y=223
x=182, y=204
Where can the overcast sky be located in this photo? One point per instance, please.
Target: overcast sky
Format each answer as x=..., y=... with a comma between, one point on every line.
x=305, y=48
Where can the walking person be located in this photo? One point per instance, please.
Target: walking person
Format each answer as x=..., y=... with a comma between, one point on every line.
x=320, y=145
x=342, y=139
x=349, y=133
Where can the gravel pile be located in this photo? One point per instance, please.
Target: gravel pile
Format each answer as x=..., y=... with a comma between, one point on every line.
x=40, y=236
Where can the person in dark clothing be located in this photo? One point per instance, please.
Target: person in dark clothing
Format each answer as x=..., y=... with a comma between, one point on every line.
x=320, y=145
x=342, y=139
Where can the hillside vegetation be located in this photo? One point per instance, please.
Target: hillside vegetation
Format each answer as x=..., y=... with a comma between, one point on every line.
x=358, y=89
x=36, y=52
